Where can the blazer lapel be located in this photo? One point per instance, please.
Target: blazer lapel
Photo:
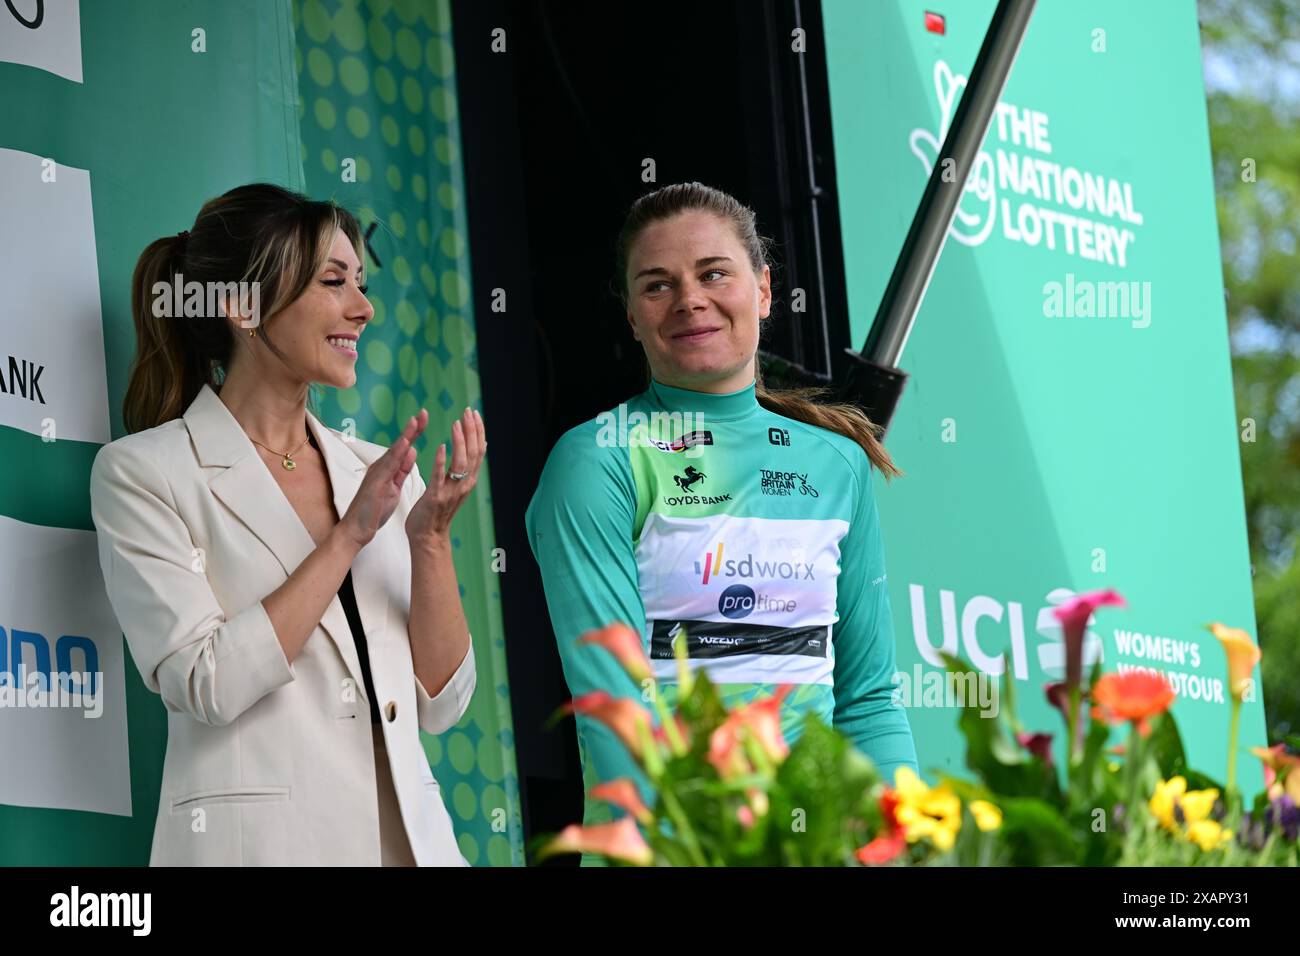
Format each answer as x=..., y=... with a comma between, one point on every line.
x=245, y=485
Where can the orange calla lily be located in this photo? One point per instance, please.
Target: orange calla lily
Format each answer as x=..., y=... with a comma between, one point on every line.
x=759, y=720
x=625, y=644
x=1135, y=696
x=1279, y=763
x=1243, y=655
x=623, y=794
x=622, y=715
x=620, y=840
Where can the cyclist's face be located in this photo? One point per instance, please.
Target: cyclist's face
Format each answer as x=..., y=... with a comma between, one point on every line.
x=694, y=302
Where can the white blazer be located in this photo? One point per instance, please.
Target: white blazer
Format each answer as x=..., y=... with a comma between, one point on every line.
x=268, y=763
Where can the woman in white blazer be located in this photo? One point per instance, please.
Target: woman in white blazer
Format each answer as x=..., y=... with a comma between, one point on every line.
x=240, y=540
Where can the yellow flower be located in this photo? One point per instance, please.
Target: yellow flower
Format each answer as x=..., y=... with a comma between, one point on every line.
x=1197, y=805
x=1163, y=800
x=1172, y=797
x=1208, y=834
x=926, y=812
x=1243, y=655
x=987, y=816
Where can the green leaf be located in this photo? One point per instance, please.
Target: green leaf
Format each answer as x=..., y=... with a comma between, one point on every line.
x=1001, y=763
x=1035, y=833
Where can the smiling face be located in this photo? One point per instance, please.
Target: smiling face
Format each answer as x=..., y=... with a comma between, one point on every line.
x=694, y=302
x=318, y=333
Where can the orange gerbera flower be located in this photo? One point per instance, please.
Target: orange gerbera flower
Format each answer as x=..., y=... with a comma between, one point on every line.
x=1135, y=696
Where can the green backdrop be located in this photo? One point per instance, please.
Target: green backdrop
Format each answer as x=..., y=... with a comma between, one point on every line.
x=282, y=92
x=1048, y=451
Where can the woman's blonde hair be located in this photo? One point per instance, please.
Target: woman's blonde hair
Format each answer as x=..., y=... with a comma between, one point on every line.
x=255, y=233
x=802, y=404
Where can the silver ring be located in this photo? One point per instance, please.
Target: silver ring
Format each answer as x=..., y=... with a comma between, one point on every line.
x=457, y=475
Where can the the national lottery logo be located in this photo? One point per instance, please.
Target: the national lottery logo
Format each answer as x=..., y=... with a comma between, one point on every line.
x=1024, y=192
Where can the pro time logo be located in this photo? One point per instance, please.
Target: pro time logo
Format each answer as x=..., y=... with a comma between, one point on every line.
x=713, y=566
x=740, y=600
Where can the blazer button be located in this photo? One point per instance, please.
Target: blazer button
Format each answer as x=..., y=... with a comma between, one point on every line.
x=390, y=710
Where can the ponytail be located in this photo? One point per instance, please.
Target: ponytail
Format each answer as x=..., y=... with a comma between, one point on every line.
x=803, y=405
x=167, y=372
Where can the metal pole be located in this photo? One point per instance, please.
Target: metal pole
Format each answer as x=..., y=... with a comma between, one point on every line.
x=874, y=380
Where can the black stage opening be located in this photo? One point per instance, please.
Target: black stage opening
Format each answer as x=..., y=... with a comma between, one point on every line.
x=555, y=132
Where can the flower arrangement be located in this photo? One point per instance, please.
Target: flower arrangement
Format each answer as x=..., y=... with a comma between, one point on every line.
x=728, y=790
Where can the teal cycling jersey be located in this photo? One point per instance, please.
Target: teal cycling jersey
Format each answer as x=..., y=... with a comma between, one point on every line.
x=752, y=537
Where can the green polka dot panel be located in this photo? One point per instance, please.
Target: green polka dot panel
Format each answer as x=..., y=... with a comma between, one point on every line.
x=445, y=151
x=406, y=10
x=402, y=271
x=379, y=358
x=408, y=48
x=462, y=798
x=408, y=365
x=358, y=122
x=320, y=67
x=385, y=85
x=325, y=114
x=415, y=139
x=412, y=95
x=453, y=244
x=407, y=406
x=377, y=88
x=408, y=320
x=349, y=28
x=381, y=41
x=439, y=56
x=460, y=751
x=315, y=21
x=381, y=403
x=354, y=76
x=468, y=848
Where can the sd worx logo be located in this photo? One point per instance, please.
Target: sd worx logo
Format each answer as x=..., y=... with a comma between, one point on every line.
x=713, y=566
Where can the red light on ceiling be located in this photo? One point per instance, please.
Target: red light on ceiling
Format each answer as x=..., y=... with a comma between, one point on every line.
x=934, y=22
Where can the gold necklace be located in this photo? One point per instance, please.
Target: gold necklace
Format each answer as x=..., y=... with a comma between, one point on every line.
x=287, y=458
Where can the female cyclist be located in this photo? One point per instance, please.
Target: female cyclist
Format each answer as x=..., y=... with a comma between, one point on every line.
x=711, y=509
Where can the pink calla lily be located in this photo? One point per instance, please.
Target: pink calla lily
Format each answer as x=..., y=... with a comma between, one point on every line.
x=1074, y=615
x=1038, y=744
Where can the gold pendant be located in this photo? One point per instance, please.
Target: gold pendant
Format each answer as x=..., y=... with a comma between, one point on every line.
x=289, y=464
